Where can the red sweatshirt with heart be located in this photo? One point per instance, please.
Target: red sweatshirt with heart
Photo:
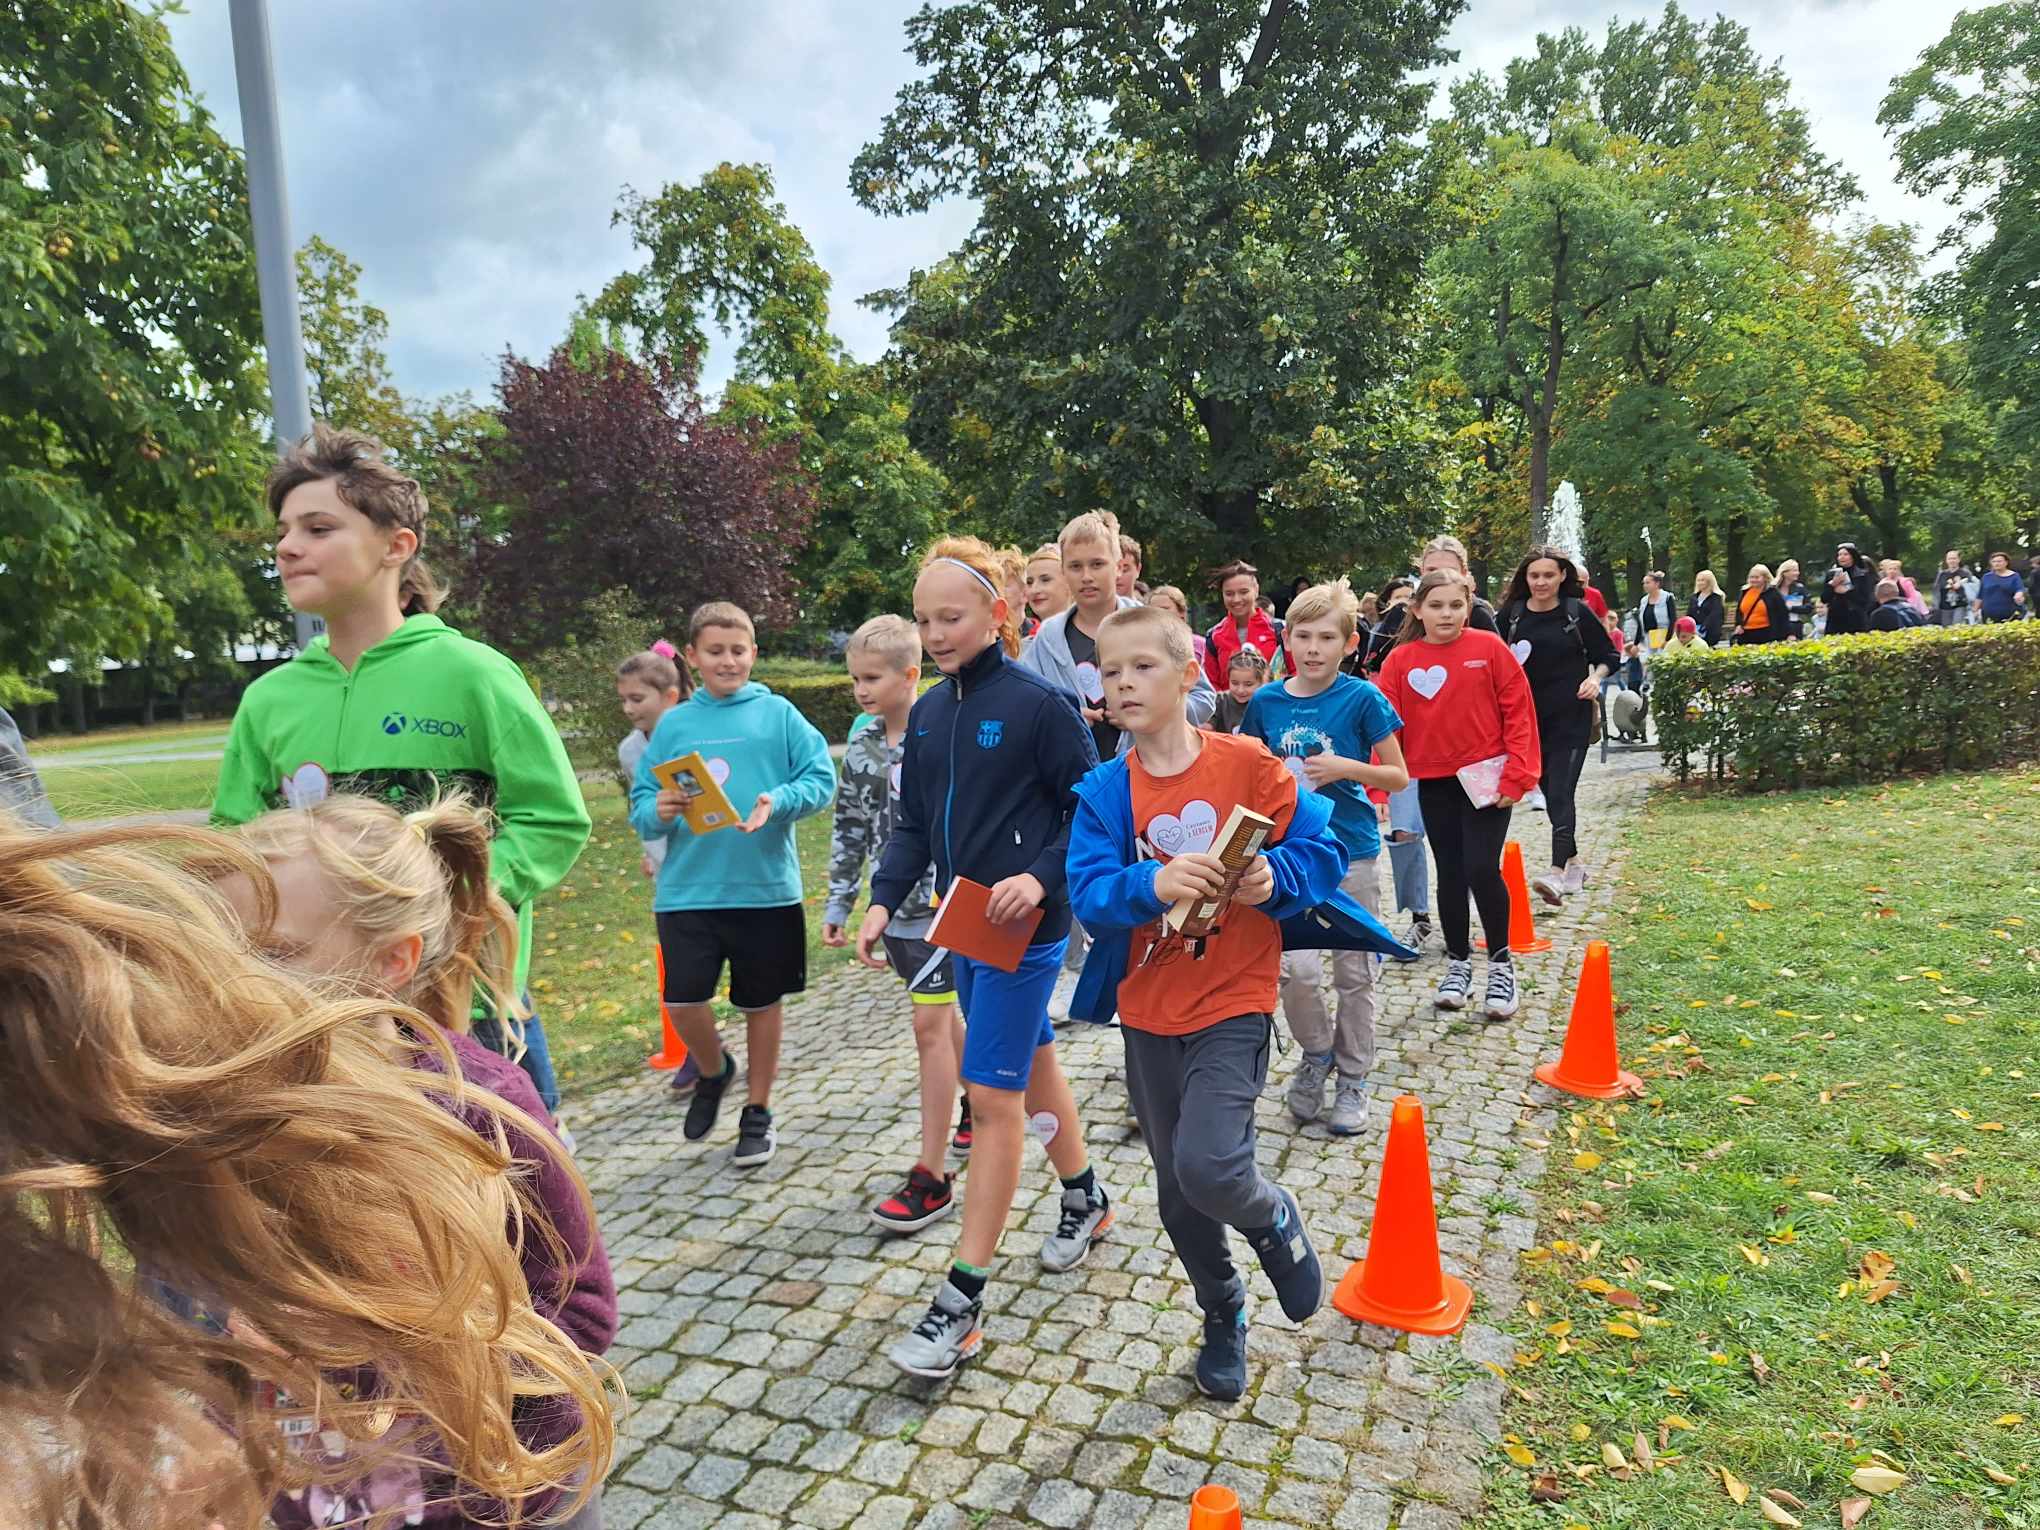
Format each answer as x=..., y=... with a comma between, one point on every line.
x=1462, y=702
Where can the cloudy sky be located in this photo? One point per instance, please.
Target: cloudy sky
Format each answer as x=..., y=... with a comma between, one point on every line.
x=469, y=152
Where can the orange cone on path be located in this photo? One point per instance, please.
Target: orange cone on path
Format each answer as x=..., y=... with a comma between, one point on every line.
x=674, y=1051
x=1214, y=1507
x=1401, y=1284
x=1590, y=1064
x=1523, y=936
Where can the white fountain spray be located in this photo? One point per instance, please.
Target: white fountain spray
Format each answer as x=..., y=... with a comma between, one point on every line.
x=1564, y=525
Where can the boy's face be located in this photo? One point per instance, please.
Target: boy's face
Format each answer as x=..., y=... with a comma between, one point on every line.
x=328, y=553
x=1244, y=683
x=1144, y=688
x=723, y=657
x=1317, y=646
x=881, y=688
x=643, y=704
x=1129, y=571
x=1092, y=570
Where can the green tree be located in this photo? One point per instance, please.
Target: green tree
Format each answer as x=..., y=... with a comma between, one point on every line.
x=1200, y=233
x=724, y=249
x=131, y=378
x=346, y=363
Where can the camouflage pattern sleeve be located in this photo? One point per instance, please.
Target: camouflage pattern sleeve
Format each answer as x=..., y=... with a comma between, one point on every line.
x=855, y=835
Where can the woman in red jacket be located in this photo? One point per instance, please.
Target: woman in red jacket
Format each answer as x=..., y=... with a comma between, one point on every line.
x=1244, y=623
x=1470, y=737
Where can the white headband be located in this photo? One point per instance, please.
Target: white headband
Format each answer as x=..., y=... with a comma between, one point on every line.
x=980, y=578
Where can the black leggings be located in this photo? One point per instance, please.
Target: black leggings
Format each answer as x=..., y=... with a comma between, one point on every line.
x=1466, y=842
x=1561, y=784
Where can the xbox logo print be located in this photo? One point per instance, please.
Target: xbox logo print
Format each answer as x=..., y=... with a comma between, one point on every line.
x=393, y=724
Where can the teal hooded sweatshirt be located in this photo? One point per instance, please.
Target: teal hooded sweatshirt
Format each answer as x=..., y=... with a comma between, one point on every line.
x=755, y=742
x=423, y=711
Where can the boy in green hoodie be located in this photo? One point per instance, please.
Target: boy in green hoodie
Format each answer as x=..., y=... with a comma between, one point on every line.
x=390, y=701
x=732, y=895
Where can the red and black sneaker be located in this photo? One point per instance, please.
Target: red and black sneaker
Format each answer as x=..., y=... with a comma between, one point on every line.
x=962, y=1140
x=925, y=1199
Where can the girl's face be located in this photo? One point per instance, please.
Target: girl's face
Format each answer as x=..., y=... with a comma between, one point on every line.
x=306, y=937
x=643, y=704
x=1544, y=577
x=331, y=557
x=1951, y=559
x=957, y=618
x=1045, y=590
x=1244, y=682
x=1239, y=594
x=1443, y=613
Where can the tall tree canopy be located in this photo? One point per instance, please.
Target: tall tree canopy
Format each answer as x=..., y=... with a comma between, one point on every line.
x=1200, y=235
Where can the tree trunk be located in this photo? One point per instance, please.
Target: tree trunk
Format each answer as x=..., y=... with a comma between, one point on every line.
x=1700, y=545
x=148, y=678
x=74, y=696
x=1733, y=537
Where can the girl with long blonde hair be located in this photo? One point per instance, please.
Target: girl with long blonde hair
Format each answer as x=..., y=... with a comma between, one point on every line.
x=178, y=1106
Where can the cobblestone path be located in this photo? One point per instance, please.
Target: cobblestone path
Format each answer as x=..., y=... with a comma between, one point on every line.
x=757, y=1307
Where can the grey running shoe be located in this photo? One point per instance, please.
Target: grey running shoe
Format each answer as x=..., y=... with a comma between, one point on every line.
x=1550, y=886
x=1420, y=931
x=1575, y=878
x=950, y=1333
x=756, y=1141
x=1455, y=985
x=1501, y=990
x=1085, y=1219
x=1307, y=1087
x=1349, y=1107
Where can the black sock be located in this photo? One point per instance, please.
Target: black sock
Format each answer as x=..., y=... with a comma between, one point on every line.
x=1086, y=1182
x=970, y=1282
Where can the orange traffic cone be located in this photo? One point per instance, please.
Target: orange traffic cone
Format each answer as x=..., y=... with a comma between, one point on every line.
x=1590, y=1064
x=1523, y=936
x=674, y=1051
x=1401, y=1284
x=1214, y=1507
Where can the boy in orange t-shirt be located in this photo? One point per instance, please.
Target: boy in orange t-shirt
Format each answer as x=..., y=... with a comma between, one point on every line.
x=1197, y=1017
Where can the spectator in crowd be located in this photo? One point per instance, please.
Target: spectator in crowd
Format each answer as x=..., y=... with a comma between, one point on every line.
x=1129, y=568
x=1244, y=625
x=1596, y=601
x=1370, y=607
x=1394, y=595
x=1047, y=591
x=1655, y=613
x=1706, y=606
x=2001, y=593
x=1760, y=615
x=1172, y=599
x=1630, y=676
x=1893, y=613
x=1892, y=569
x=1849, y=591
x=1441, y=553
x=1686, y=634
x=1954, y=590
x=1798, y=597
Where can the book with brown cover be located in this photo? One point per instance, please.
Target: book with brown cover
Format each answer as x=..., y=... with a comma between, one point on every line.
x=1238, y=841
x=704, y=804
x=961, y=926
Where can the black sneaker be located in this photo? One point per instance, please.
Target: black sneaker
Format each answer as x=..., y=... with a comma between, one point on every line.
x=925, y=1199
x=755, y=1139
x=1291, y=1260
x=707, y=1102
x=1222, y=1362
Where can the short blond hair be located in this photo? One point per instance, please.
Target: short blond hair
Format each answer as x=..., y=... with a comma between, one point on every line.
x=1174, y=635
x=719, y=613
x=1447, y=543
x=1091, y=526
x=1335, y=600
x=1171, y=593
x=1128, y=548
x=1012, y=563
x=1050, y=551
x=891, y=639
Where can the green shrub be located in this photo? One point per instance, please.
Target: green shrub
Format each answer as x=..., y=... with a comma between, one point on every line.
x=1857, y=708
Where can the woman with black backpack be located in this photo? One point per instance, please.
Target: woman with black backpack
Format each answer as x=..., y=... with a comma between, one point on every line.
x=1565, y=653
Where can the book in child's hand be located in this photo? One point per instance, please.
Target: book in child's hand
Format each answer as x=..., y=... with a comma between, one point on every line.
x=1238, y=842
x=963, y=926
x=703, y=803
x=1482, y=780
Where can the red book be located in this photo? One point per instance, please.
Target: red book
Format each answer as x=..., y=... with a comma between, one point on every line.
x=961, y=926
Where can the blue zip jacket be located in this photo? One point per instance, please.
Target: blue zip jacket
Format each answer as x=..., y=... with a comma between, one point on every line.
x=991, y=756
x=1113, y=892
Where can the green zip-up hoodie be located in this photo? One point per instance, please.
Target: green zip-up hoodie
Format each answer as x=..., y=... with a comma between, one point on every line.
x=424, y=709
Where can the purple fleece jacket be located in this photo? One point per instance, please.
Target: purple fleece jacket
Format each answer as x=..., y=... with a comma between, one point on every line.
x=581, y=1301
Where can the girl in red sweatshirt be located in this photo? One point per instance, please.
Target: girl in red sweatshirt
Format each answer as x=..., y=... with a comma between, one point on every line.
x=1466, y=707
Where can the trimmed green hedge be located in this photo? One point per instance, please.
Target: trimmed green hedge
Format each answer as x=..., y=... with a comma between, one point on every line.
x=1857, y=708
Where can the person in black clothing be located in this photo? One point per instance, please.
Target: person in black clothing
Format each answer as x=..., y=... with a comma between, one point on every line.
x=1441, y=552
x=1706, y=606
x=1366, y=659
x=1894, y=613
x=1799, y=598
x=1566, y=653
x=1760, y=614
x=1849, y=592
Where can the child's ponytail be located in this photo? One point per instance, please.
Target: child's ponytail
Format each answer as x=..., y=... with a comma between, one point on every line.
x=480, y=941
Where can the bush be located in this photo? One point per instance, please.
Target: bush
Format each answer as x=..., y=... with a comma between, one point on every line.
x=1857, y=708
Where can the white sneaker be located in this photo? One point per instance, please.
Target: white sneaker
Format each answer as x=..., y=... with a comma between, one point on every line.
x=1550, y=886
x=1455, y=985
x=1501, y=990
x=1059, y=998
x=1575, y=877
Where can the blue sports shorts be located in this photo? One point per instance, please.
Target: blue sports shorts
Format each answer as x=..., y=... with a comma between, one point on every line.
x=1005, y=1015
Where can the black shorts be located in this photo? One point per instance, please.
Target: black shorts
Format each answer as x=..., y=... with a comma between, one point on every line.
x=765, y=947
x=909, y=957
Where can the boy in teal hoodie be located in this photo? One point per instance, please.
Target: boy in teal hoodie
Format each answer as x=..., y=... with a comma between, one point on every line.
x=732, y=895
x=390, y=701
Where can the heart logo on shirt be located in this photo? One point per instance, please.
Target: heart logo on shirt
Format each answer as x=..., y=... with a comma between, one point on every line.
x=1192, y=831
x=1521, y=649
x=1090, y=682
x=1427, y=683
x=719, y=770
x=306, y=786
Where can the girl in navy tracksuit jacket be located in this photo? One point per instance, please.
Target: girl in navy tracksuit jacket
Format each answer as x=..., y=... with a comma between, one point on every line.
x=985, y=793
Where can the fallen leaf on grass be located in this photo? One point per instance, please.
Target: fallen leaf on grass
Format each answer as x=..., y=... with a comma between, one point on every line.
x=1876, y=1265
x=1629, y=1299
x=1612, y=1458
x=1877, y=1479
x=1585, y=1161
x=1639, y=1447
x=1755, y=1256
x=1853, y=1510
x=1522, y=1455
x=1774, y=1514
x=1545, y=1489
x=1624, y=1331
x=1733, y=1485
x=1581, y=1434
x=1758, y=905
x=1822, y=1198
x=1673, y=1421
x=2002, y=1479
x=2008, y=1420
x=1878, y=1292
x=1758, y=1367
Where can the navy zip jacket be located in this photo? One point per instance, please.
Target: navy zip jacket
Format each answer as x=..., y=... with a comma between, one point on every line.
x=985, y=786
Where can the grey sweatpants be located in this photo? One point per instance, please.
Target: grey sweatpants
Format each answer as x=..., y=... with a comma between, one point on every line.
x=1351, y=1038
x=1206, y=1179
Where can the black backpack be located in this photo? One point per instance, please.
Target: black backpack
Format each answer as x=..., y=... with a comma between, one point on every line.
x=1576, y=611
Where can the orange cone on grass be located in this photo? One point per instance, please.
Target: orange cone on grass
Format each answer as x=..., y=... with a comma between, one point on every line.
x=1523, y=936
x=674, y=1051
x=1401, y=1284
x=1590, y=1065
x=1214, y=1507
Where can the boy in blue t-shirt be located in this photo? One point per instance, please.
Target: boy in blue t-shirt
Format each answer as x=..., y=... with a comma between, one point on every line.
x=1326, y=727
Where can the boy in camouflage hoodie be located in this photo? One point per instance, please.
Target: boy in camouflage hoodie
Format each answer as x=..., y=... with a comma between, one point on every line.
x=884, y=658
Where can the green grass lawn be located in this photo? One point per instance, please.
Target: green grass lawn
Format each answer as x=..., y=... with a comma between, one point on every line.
x=593, y=977
x=110, y=791
x=1814, y=1246
x=106, y=738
